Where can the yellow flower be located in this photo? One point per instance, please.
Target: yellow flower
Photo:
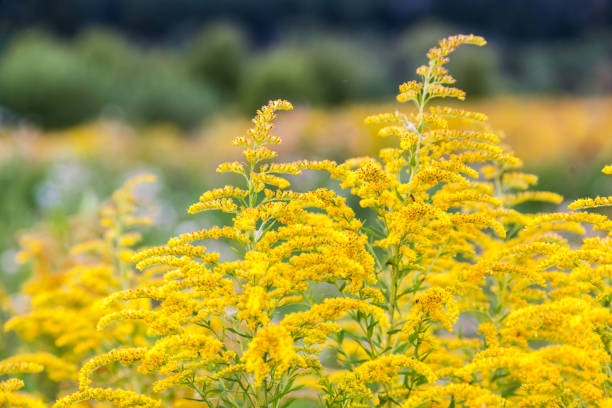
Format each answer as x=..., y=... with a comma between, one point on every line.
x=270, y=353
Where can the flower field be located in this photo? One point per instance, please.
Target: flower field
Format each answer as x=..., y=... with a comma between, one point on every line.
x=541, y=130
x=404, y=254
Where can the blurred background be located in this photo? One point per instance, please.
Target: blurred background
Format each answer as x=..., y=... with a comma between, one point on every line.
x=92, y=91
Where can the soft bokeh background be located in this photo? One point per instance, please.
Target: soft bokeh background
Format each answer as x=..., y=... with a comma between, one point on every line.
x=92, y=91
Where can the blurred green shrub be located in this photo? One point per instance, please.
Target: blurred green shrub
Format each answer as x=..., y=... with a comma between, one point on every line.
x=281, y=72
x=217, y=55
x=109, y=50
x=56, y=84
x=477, y=70
x=168, y=97
x=575, y=67
x=321, y=71
x=44, y=81
x=18, y=181
x=343, y=71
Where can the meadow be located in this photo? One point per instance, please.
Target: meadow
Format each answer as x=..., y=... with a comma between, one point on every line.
x=426, y=256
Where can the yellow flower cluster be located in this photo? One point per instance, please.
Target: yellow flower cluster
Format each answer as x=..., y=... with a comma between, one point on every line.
x=70, y=280
x=216, y=319
x=444, y=295
x=72, y=275
x=451, y=255
x=56, y=369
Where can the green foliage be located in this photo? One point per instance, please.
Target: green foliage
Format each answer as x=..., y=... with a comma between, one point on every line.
x=284, y=71
x=320, y=71
x=109, y=50
x=45, y=82
x=55, y=84
x=217, y=55
x=58, y=83
x=477, y=71
x=17, y=181
x=576, y=67
x=165, y=97
x=343, y=71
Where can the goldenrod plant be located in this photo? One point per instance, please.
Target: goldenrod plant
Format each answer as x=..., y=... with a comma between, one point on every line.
x=10, y=368
x=445, y=294
x=534, y=301
x=68, y=284
x=218, y=321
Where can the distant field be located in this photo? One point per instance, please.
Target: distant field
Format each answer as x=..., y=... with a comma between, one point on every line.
x=565, y=141
x=540, y=130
